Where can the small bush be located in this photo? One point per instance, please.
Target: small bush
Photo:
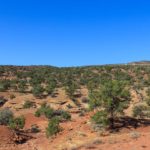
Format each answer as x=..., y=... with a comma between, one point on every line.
x=4, y=85
x=38, y=113
x=53, y=127
x=62, y=115
x=100, y=118
x=66, y=115
x=5, y=116
x=38, y=91
x=140, y=111
x=2, y=89
x=49, y=112
x=44, y=110
x=17, y=123
x=28, y=104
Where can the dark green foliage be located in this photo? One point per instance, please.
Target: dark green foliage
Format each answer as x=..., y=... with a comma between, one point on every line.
x=141, y=111
x=50, y=113
x=2, y=71
x=113, y=97
x=101, y=118
x=62, y=115
x=45, y=110
x=38, y=91
x=4, y=85
x=2, y=88
x=65, y=115
x=14, y=84
x=28, y=104
x=70, y=90
x=17, y=123
x=71, y=86
x=51, y=86
x=53, y=127
x=5, y=116
x=22, y=86
x=38, y=113
x=70, y=78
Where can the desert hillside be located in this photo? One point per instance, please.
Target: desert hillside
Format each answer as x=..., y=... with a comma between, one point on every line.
x=75, y=108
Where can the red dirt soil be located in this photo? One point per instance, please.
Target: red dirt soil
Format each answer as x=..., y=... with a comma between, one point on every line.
x=6, y=136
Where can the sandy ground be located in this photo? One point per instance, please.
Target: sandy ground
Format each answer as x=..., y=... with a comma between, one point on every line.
x=77, y=134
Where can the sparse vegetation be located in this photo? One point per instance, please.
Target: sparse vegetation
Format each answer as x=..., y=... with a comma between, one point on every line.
x=45, y=110
x=107, y=90
x=53, y=127
x=17, y=123
x=38, y=91
x=50, y=113
x=101, y=119
x=28, y=104
x=5, y=116
x=113, y=97
x=141, y=111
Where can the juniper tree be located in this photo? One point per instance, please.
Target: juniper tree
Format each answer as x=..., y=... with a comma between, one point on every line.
x=112, y=97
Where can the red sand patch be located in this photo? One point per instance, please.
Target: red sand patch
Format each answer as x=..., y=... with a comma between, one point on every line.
x=6, y=136
x=30, y=120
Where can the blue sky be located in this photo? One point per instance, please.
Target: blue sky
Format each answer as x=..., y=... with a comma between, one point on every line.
x=74, y=32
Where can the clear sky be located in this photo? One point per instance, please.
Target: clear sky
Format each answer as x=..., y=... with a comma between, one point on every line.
x=74, y=32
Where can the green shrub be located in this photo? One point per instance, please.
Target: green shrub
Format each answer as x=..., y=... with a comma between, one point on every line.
x=2, y=88
x=45, y=110
x=62, y=115
x=4, y=85
x=114, y=97
x=28, y=104
x=100, y=118
x=22, y=86
x=38, y=91
x=38, y=113
x=50, y=88
x=17, y=123
x=53, y=127
x=49, y=112
x=66, y=115
x=140, y=111
x=5, y=116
